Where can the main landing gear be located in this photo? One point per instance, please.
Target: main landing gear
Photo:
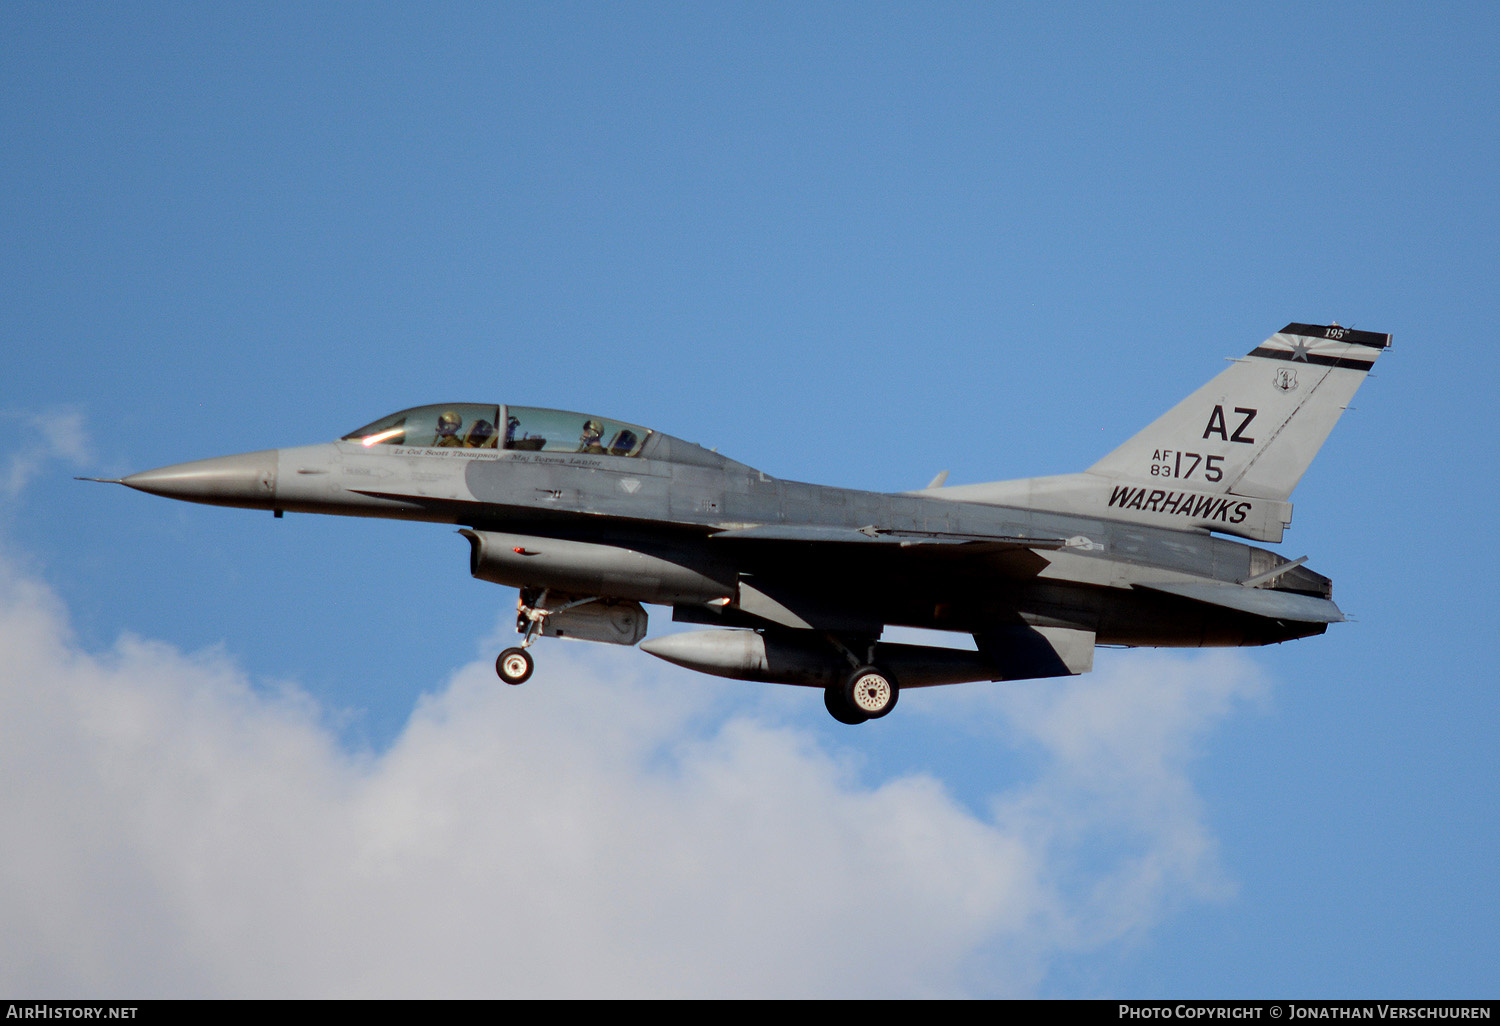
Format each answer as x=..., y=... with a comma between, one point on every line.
x=866, y=694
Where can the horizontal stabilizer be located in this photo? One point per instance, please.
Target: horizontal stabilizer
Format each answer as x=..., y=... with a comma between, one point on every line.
x=1275, y=605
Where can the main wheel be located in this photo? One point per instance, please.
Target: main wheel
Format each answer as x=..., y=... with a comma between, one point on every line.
x=870, y=692
x=514, y=665
x=840, y=709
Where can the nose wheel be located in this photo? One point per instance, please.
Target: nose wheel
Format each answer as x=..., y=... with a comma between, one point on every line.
x=514, y=665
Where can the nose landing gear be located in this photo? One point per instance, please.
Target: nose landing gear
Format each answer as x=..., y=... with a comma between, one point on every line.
x=514, y=665
x=541, y=613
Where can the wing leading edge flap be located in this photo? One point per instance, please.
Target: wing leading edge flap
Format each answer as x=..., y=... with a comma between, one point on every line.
x=1275, y=605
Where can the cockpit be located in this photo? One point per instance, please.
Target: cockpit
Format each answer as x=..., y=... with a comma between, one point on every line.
x=520, y=428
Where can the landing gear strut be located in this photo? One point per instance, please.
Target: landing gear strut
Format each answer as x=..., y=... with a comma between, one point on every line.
x=539, y=613
x=514, y=665
x=866, y=694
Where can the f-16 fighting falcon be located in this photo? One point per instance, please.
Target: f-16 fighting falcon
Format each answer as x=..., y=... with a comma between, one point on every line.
x=590, y=518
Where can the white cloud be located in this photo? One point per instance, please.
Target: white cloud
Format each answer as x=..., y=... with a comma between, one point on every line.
x=51, y=434
x=173, y=831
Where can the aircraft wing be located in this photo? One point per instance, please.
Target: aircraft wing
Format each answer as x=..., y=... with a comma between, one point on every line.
x=814, y=534
x=1275, y=605
x=855, y=567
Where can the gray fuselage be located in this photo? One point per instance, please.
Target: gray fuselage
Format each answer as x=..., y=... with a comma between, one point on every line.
x=673, y=498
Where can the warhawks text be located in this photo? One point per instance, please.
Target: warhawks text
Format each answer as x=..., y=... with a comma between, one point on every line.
x=1184, y=504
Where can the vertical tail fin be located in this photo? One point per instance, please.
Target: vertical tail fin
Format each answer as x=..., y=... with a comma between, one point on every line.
x=1227, y=457
x=1254, y=429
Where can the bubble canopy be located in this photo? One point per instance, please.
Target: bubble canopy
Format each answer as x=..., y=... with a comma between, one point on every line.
x=522, y=428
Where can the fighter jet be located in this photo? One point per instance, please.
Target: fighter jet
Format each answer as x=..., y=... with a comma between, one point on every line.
x=593, y=518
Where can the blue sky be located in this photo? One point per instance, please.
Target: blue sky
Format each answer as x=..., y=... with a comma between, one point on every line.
x=855, y=244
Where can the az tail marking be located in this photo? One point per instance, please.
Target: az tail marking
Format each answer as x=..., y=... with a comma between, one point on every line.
x=1216, y=425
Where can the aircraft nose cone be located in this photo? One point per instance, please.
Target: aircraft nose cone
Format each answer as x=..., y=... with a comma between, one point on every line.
x=245, y=480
